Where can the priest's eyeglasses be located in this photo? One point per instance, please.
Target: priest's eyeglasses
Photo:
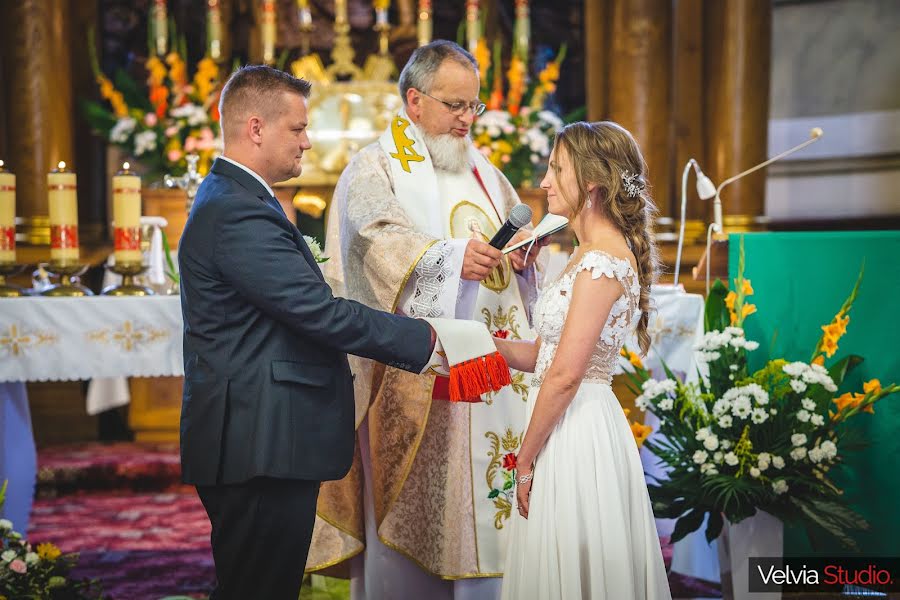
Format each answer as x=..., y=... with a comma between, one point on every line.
x=460, y=108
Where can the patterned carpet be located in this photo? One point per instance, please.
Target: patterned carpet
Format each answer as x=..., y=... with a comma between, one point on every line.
x=143, y=534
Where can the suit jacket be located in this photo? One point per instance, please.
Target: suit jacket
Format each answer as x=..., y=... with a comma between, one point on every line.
x=267, y=387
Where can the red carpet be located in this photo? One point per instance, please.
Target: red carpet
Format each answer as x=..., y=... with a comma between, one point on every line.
x=143, y=534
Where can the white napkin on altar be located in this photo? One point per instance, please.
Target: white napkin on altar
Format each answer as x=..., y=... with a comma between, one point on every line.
x=156, y=263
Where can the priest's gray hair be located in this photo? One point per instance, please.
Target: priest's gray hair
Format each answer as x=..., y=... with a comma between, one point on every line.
x=424, y=62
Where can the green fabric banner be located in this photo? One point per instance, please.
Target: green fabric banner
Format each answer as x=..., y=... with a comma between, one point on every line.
x=800, y=281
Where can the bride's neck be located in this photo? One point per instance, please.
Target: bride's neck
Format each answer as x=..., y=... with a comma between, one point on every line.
x=592, y=230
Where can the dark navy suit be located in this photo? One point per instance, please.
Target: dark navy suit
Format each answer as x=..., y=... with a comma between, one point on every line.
x=268, y=409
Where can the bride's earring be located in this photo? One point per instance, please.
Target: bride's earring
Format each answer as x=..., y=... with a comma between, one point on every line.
x=589, y=203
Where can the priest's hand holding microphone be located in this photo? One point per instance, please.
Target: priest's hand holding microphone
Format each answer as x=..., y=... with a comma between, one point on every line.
x=481, y=258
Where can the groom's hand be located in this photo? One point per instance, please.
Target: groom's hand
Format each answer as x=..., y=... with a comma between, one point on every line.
x=479, y=260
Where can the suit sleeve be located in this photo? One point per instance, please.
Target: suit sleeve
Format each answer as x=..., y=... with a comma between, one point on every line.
x=256, y=253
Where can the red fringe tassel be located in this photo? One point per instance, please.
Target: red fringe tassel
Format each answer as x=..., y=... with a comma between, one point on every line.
x=471, y=379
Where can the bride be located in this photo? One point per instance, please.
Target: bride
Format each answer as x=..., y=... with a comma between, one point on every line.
x=586, y=528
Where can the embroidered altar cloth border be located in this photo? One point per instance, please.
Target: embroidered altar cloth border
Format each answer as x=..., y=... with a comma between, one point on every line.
x=60, y=339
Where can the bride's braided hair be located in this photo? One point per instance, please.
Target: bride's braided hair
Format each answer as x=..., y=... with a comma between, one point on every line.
x=606, y=154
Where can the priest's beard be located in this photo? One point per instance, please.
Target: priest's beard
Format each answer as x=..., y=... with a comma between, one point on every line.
x=448, y=152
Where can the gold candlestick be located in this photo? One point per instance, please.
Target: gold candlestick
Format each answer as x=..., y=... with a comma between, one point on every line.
x=7, y=269
x=67, y=286
x=128, y=287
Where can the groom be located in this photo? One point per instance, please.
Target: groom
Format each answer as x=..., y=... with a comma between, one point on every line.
x=268, y=409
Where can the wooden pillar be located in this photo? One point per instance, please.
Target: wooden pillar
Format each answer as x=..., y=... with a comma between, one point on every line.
x=640, y=77
x=38, y=98
x=738, y=51
x=689, y=120
x=596, y=51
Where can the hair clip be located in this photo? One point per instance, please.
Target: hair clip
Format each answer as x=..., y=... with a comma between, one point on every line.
x=633, y=186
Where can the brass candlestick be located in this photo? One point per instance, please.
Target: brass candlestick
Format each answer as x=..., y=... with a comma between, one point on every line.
x=128, y=287
x=67, y=287
x=7, y=270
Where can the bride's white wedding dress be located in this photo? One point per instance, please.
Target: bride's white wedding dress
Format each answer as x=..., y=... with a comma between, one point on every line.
x=590, y=531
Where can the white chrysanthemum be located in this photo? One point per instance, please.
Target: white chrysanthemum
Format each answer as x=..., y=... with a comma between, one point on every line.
x=816, y=454
x=726, y=444
x=708, y=469
x=552, y=119
x=731, y=459
x=711, y=443
x=817, y=420
x=732, y=367
x=741, y=408
x=798, y=453
x=795, y=369
x=721, y=407
x=702, y=434
x=719, y=457
x=798, y=439
x=829, y=385
x=780, y=486
x=798, y=386
x=144, y=142
x=754, y=472
x=666, y=404
x=121, y=130
x=777, y=462
x=764, y=457
x=707, y=356
x=803, y=415
x=725, y=421
x=772, y=411
x=641, y=402
x=759, y=416
x=751, y=345
x=731, y=330
x=8, y=556
x=808, y=404
x=31, y=558
x=829, y=448
x=700, y=456
x=759, y=394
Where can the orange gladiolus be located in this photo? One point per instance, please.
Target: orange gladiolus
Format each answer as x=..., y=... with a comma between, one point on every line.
x=640, y=432
x=819, y=360
x=829, y=345
x=747, y=289
x=729, y=300
x=873, y=386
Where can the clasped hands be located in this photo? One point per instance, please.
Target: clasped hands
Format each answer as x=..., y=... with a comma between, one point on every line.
x=481, y=258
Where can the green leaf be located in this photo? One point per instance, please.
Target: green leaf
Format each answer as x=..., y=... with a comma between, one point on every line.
x=716, y=315
x=714, y=526
x=508, y=485
x=494, y=493
x=98, y=117
x=688, y=523
x=839, y=370
x=133, y=95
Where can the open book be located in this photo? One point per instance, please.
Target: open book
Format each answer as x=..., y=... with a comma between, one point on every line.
x=550, y=224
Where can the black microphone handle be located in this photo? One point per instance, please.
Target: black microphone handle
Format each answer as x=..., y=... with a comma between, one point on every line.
x=503, y=235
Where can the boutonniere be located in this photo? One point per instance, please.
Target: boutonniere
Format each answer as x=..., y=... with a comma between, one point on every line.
x=316, y=249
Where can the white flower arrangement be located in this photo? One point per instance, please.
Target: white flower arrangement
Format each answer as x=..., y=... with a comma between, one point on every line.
x=316, y=249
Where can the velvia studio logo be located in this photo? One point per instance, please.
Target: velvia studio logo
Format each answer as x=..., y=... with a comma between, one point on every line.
x=809, y=574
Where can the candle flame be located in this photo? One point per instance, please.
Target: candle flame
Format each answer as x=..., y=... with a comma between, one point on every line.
x=126, y=166
x=61, y=165
x=2, y=164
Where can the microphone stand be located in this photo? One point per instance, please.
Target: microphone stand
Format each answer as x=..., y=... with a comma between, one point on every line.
x=716, y=225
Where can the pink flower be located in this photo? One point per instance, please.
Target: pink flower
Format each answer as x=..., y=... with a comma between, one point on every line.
x=190, y=144
x=505, y=158
x=150, y=119
x=174, y=155
x=207, y=139
x=171, y=130
x=18, y=566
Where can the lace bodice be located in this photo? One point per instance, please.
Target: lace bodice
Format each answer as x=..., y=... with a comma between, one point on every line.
x=552, y=308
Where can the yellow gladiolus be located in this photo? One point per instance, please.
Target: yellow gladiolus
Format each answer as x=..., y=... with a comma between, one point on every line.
x=819, y=360
x=829, y=345
x=483, y=56
x=640, y=432
x=48, y=551
x=747, y=310
x=635, y=360
x=747, y=289
x=873, y=386
x=729, y=300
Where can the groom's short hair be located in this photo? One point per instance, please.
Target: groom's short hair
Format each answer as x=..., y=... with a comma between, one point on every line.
x=425, y=61
x=255, y=88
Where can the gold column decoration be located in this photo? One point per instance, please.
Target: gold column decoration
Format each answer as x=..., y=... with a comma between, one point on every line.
x=381, y=24
x=639, y=83
x=35, y=38
x=159, y=27
x=521, y=31
x=268, y=31
x=473, y=24
x=688, y=112
x=214, y=30
x=738, y=54
x=425, y=26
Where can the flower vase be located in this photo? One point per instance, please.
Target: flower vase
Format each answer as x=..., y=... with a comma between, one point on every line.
x=761, y=535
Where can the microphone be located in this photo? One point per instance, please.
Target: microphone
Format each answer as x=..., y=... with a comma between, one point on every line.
x=519, y=217
x=716, y=226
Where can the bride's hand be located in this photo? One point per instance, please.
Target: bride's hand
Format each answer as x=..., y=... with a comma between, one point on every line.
x=523, y=492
